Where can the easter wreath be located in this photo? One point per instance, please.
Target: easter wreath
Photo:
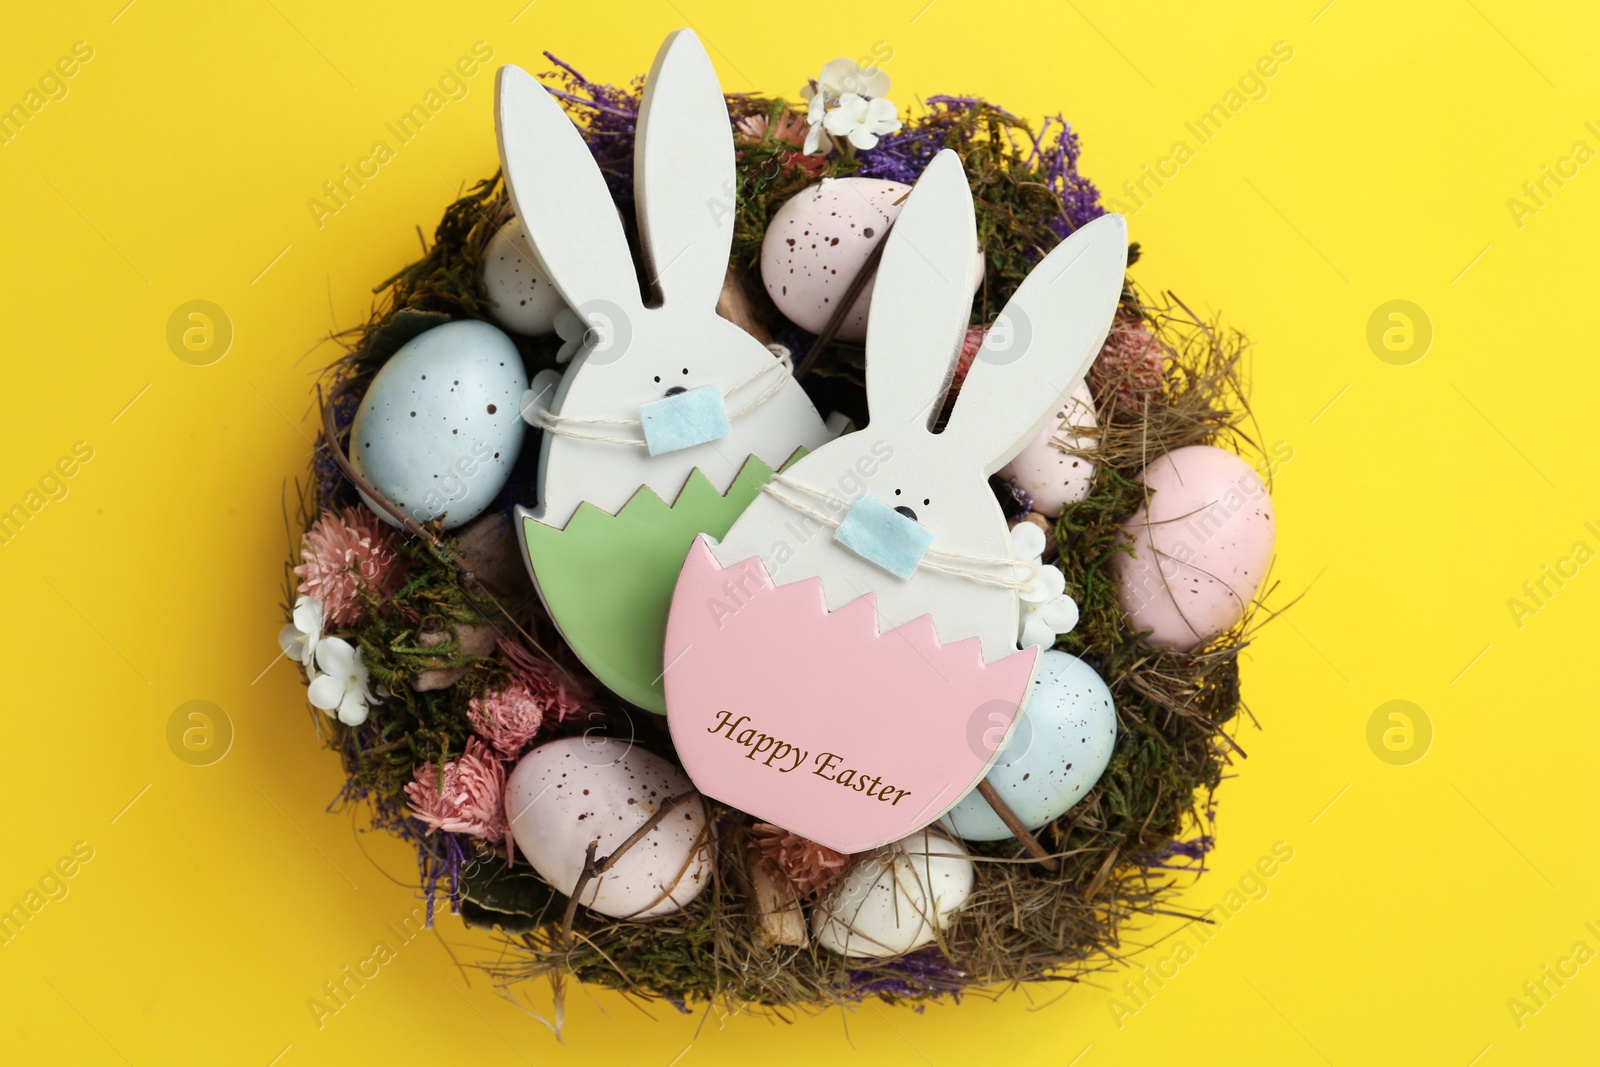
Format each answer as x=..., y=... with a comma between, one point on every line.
x=435, y=666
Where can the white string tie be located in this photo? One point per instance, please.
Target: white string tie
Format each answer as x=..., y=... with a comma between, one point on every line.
x=558, y=424
x=956, y=564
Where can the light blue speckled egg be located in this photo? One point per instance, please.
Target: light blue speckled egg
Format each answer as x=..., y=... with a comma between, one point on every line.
x=441, y=425
x=1056, y=754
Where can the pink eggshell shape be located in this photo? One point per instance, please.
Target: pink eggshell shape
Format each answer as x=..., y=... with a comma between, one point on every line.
x=815, y=721
x=819, y=240
x=1201, y=550
x=1046, y=467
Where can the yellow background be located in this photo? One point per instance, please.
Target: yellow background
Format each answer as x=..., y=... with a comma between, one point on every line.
x=1420, y=498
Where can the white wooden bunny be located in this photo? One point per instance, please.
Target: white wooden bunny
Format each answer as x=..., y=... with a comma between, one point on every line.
x=669, y=417
x=844, y=663
x=1035, y=355
x=637, y=353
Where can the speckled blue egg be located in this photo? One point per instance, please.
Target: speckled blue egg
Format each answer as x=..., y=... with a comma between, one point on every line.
x=1056, y=754
x=440, y=427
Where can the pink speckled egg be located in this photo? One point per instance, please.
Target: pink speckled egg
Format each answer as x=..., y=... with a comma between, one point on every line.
x=1201, y=547
x=820, y=239
x=567, y=794
x=1046, y=469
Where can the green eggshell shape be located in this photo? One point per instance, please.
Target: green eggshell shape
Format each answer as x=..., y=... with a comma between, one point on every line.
x=607, y=580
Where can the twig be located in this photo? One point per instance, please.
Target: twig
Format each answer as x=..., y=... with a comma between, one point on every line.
x=848, y=301
x=330, y=434
x=1015, y=825
x=593, y=868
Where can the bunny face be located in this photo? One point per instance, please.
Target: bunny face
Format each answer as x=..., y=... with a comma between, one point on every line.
x=691, y=354
x=918, y=476
x=616, y=371
x=637, y=353
x=1036, y=354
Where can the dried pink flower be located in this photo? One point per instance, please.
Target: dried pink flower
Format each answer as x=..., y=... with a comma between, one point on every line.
x=1132, y=363
x=813, y=163
x=343, y=553
x=507, y=717
x=467, y=797
x=807, y=866
x=791, y=127
x=559, y=695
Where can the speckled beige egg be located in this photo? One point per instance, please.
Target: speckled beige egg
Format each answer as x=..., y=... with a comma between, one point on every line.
x=521, y=297
x=1047, y=468
x=895, y=899
x=570, y=792
x=1200, y=547
x=819, y=240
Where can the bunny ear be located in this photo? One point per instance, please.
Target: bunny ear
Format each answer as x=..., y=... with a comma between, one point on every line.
x=684, y=175
x=1041, y=345
x=561, y=196
x=921, y=297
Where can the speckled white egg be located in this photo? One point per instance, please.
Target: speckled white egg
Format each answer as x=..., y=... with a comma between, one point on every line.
x=895, y=899
x=819, y=240
x=1047, y=469
x=1199, y=552
x=440, y=427
x=569, y=792
x=521, y=296
x=1058, y=751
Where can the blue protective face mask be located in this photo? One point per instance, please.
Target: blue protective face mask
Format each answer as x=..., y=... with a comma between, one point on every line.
x=883, y=537
x=690, y=418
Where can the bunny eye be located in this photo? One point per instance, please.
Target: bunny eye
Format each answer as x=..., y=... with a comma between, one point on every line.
x=658, y=377
x=897, y=492
x=926, y=501
x=686, y=370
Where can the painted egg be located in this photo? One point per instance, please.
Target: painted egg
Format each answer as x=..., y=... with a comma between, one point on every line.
x=1200, y=550
x=895, y=899
x=1047, y=469
x=440, y=427
x=521, y=296
x=1056, y=754
x=570, y=792
x=819, y=240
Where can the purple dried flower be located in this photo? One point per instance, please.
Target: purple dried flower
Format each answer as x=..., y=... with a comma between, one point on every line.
x=1055, y=152
x=333, y=488
x=1190, y=855
x=916, y=975
x=607, y=117
x=901, y=156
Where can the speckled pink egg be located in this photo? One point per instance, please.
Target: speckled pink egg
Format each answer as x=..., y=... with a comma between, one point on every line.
x=1201, y=547
x=820, y=239
x=574, y=791
x=1047, y=470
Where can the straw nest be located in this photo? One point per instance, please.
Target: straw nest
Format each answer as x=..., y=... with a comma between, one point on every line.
x=1118, y=855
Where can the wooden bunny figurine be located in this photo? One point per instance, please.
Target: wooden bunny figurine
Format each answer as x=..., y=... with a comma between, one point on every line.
x=844, y=662
x=669, y=417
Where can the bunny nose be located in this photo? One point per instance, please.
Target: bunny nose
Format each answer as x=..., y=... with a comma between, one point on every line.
x=675, y=390
x=907, y=512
